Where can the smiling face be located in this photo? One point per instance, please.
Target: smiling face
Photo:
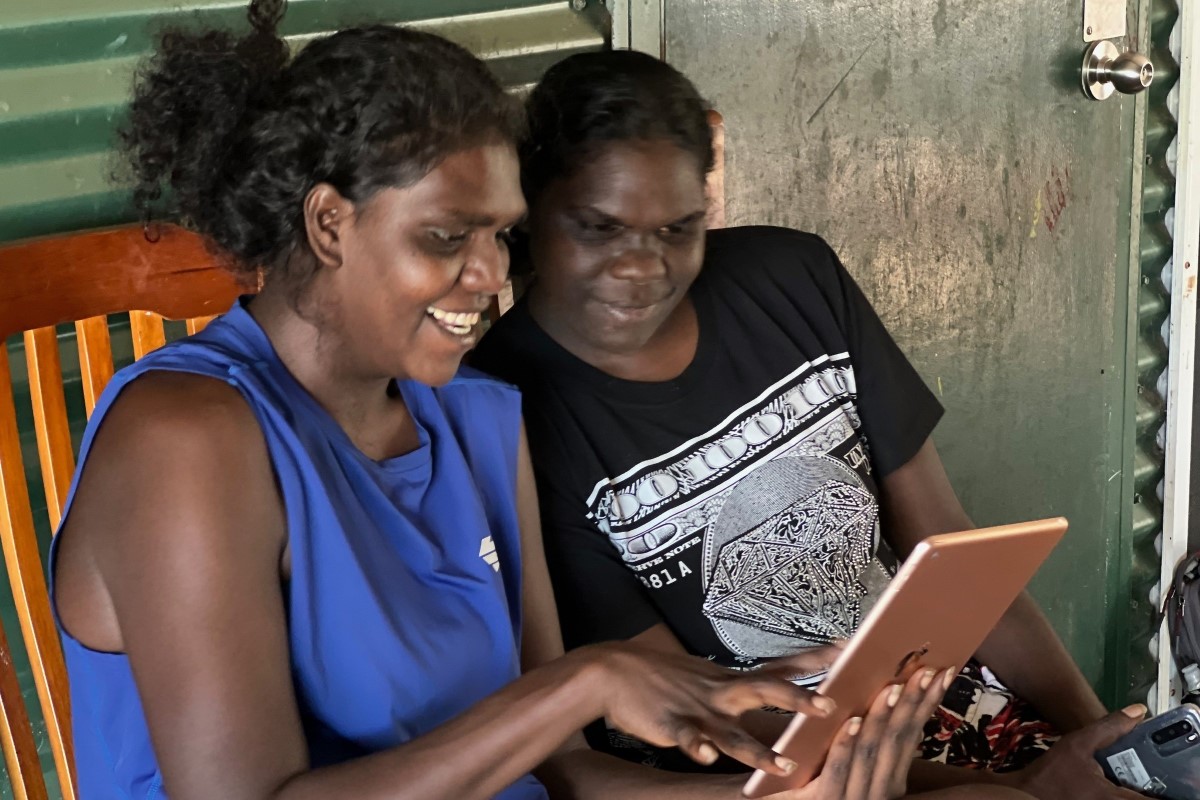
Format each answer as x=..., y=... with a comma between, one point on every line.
x=414, y=268
x=616, y=245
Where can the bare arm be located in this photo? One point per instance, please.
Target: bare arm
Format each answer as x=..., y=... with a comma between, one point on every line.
x=1023, y=650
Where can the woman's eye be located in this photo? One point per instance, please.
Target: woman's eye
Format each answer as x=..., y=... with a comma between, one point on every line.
x=601, y=230
x=591, y=230
x=448, y=238
x=505, y=236
x=676, y=231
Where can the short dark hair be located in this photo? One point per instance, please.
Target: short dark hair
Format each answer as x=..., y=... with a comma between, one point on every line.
x=590, y=99
x=229, y=135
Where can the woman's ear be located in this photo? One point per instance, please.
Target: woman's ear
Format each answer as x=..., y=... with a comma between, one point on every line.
x=327, y=215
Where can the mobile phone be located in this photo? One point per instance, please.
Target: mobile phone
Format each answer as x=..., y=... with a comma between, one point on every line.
x=1160, y=757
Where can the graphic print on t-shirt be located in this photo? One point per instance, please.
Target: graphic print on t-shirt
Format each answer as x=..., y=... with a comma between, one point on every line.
x=773, y=510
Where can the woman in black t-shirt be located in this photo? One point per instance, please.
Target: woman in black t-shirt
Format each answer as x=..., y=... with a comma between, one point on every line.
x=732, y=453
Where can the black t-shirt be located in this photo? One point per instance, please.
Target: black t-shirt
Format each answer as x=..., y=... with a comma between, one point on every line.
x=738, y=502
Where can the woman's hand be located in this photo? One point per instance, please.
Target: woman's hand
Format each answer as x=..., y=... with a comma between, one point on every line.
x=1070, y=768
x=870, y=756
x=671, y=700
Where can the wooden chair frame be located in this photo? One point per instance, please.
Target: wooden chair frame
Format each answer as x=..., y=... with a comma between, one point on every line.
x=43, y=283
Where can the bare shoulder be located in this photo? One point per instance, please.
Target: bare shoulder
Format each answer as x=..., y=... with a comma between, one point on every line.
x=180, y=407
x=177, y=472
x=178, y=438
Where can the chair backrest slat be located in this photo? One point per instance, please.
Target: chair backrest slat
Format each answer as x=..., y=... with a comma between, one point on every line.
x=95, y=358
x=16, y=734
x=22, y=559
x=197, y=324
x=55, y=452
x=148, y=332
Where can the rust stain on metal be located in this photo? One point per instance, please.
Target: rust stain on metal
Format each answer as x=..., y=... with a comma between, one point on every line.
x=1058, y=196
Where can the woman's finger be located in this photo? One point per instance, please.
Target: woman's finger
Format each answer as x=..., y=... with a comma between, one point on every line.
x=838, y=763
x=736, y=743
x=936, y=692
x=898, y=748
x=695, y=745
x=766, y=689
x=876, y=728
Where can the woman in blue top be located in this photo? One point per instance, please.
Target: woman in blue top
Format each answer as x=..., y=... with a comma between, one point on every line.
x=301, y=557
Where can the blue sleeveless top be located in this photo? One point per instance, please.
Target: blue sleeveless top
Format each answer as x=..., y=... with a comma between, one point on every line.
x=404, y=601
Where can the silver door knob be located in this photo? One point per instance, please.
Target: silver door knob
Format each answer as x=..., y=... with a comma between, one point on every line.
x=1106, y=70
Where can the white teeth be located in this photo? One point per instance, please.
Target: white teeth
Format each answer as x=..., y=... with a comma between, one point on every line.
x=459, y=323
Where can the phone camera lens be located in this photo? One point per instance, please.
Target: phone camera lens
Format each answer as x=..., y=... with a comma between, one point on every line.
x=1172, y=732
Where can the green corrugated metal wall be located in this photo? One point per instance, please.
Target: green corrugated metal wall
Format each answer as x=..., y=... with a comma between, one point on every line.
x=65, y=71
x=1144, y=510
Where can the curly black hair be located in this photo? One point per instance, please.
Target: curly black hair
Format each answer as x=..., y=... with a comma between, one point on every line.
x=589, y=99
x=228, y=136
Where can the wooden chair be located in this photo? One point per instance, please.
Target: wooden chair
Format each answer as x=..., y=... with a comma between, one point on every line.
x=80, y=278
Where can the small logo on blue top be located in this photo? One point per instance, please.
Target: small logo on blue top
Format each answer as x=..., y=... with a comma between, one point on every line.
x=487, y=551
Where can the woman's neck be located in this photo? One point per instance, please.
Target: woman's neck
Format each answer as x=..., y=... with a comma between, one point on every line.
x=372, y=414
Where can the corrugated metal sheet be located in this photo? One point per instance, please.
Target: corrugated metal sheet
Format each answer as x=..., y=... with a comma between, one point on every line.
x=1153, y=307
x=66, y=66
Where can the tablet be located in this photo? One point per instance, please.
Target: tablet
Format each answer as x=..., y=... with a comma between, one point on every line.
x=936, y=612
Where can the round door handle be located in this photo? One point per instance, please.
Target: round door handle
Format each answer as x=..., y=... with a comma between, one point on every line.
x=1106, y=70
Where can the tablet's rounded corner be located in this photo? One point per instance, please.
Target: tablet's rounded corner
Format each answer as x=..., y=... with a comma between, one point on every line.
x=756, y=786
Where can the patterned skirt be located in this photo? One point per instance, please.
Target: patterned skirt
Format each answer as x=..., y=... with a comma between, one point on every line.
x=983, y=725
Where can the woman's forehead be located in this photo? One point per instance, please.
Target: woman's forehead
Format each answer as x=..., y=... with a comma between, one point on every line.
x=479, y=185
x=620, y=177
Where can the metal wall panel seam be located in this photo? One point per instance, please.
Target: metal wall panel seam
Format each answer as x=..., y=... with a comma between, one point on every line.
x=1117, y=681
x=1179, y=331
x=647, y=30
x=1158, y=193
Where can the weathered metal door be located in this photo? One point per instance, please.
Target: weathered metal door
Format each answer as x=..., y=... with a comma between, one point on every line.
x=992, y=213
